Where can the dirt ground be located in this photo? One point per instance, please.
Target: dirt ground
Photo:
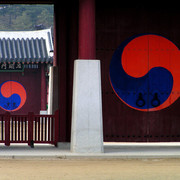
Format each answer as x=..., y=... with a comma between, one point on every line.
x=127, y=169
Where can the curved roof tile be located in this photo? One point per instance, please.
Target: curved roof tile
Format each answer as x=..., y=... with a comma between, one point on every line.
x=26, y=46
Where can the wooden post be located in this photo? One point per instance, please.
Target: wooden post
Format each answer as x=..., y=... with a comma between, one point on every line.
x=30, y=129
x=56, y=129
x=43, y=88
x=87, y=33
x=7, y=128
x=61, y=19
x=86, y=129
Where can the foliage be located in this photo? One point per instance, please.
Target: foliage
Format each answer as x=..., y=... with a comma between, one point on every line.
x=25, y=17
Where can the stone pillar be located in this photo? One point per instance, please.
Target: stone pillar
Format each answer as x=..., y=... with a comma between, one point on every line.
x=87, y=131
x=53, y=90
x=55, y=43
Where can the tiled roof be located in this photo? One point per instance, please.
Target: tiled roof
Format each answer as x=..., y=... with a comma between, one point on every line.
x=26, y=46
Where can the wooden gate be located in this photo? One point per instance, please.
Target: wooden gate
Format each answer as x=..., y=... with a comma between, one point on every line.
x=18, y=90
x=125, y=122
x=29, y=128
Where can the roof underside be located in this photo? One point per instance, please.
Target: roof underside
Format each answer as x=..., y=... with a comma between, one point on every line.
x=24, y=50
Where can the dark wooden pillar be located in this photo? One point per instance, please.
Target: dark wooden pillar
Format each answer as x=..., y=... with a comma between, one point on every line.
x=43, y=88
x=60, y=13
x=87, y=34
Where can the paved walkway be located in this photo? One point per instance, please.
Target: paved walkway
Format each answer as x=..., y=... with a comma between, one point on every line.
x=111, y=150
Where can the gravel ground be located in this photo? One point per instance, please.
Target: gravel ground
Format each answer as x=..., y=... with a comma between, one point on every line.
x=86, y=169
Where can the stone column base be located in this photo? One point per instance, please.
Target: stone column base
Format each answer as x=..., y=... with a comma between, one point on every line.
x=87, y=128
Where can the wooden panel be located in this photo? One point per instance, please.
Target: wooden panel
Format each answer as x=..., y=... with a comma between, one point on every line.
x=67, y=51
x=114, y=25
x=30, y=79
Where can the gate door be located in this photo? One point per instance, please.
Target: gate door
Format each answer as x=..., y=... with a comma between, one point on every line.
x=12, y=95
x=143, y=76
x=139, y=52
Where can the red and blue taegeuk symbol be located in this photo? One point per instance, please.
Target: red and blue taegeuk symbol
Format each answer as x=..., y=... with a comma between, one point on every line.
x=145, y=72
x=12, y=95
